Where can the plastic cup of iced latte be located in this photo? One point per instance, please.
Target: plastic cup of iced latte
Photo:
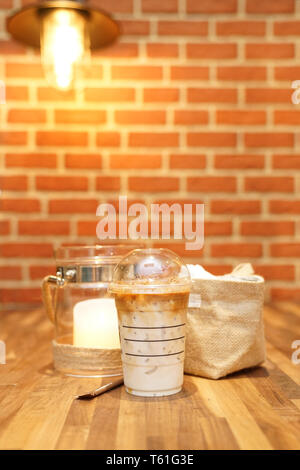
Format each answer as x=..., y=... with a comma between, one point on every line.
x=151, y=289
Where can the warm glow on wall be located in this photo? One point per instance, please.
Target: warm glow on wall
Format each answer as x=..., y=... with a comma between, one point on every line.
x=65, y=47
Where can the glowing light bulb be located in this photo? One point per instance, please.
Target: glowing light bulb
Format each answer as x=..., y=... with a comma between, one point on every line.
x=64, y=46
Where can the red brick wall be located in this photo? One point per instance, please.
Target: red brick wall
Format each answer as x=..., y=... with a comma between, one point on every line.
x=194, y=102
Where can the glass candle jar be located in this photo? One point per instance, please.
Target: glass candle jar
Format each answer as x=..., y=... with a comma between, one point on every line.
x=83, y=312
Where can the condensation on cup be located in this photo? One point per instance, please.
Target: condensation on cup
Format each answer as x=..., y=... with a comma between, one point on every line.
x=151, y=289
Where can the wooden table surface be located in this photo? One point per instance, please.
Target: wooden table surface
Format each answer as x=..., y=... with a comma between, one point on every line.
x=254, y=409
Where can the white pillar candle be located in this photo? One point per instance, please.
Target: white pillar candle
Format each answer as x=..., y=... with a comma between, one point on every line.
x=95, y=324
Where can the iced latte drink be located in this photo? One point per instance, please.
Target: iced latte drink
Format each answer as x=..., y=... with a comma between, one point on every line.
x=151, y=289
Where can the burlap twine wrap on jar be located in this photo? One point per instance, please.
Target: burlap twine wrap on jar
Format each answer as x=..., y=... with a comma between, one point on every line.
x=68, y=357
x=225, y=332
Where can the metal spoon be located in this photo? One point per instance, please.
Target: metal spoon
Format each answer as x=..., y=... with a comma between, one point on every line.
x=100, y=390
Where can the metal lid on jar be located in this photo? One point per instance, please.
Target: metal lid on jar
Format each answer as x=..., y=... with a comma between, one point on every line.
x=150, y=270
x=89, y=263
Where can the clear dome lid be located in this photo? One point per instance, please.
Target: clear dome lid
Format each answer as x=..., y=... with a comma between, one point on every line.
x=148, y=270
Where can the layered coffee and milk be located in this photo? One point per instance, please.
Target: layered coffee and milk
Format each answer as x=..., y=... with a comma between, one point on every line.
x=151, y=290
x=152, y=333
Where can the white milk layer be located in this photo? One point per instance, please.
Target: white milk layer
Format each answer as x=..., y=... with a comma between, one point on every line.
x=152, y=343
x=158, y=381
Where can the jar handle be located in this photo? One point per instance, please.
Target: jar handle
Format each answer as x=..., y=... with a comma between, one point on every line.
x=47, y=297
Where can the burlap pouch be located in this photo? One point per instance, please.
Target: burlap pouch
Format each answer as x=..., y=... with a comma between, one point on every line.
x=225, y=331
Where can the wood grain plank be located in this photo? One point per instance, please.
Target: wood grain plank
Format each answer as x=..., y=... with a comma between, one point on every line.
x=168, y=433
x=105, y=420
x=277, y=387
x=205, y=426
x=252, y=409
x=246, y=431
x=296, y=403
x=281, y=433
x=38, y=423
x=283, y=363
x=290, y=314
x=75, y=431
x=278, y=330
x=133, y=423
